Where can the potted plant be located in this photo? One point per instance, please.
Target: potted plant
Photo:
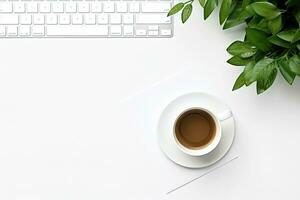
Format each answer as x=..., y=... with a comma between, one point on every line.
x=272, y=37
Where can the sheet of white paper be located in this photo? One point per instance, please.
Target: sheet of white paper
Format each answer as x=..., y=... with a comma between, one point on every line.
x=153, y=175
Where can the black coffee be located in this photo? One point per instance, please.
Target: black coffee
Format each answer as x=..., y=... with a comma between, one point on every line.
x=195, y=129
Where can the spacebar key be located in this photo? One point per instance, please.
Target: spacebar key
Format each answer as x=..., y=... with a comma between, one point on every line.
x=63, y=30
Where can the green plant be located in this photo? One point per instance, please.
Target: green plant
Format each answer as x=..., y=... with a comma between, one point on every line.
x=272, y=38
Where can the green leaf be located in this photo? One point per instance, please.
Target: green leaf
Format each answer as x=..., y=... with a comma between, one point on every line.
x=186, y=12
x=258, y=38
x=275, y=25
x=250, y=10
x=175, y=9
x=240, y=82
x=285, y=71
x=241, y=49
x=265, y=62
x=210, y=5
x=267, y=78
x=279, y=42
x=296, y=36
x=238, y=61
x=253, y=74
x=237, y=16
x=233, y=6
x=246, y=3
x=202, y=3
x=294, y=64
x=259, y=23
x=254, y=20
x=262, y=26
x=298, y=46
x=266, y=10
x=287, y=35
x=224, y=10
x=248, y=70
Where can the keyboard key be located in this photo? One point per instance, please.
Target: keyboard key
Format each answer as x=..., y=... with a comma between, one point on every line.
x=8, y=19
x=64, y=19
x=134, y=7
x=77, y=19
x=38, y=19
x=24, y=30
x=6, y=7
x=19, y=7
x=83, y=7
x=44, y=7
x=96, y=7
x=102, y=19
x=166, y=32
x=140, y=32
x=153, y=33
x=38, y=30
x=99, y=30
x=25, y=19
x=12, y=30
x=115, y=30
x=32, y=7
x=71, y=7
x=115, y=19
x=156, y=7
x=128, y=18
x=128, y=30
x=121, y=7
x=109, y=7
x=57, y=7
x=152, y=19
x=51, y=19
x=90, y=19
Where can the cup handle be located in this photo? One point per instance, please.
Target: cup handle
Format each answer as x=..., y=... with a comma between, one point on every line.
x=224, y=115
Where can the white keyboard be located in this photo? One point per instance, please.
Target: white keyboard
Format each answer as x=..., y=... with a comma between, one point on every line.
x=85, y=18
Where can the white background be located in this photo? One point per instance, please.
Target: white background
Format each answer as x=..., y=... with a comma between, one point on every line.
x=61, y=134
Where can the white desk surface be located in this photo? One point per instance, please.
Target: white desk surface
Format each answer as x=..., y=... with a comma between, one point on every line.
x=57, y=97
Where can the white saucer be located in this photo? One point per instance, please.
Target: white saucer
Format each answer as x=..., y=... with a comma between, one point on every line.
x=165, y=130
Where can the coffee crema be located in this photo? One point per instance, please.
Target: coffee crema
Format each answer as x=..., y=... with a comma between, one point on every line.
x=195, y=129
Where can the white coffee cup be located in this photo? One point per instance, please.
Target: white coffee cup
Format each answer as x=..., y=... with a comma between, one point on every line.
x=217, y=119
